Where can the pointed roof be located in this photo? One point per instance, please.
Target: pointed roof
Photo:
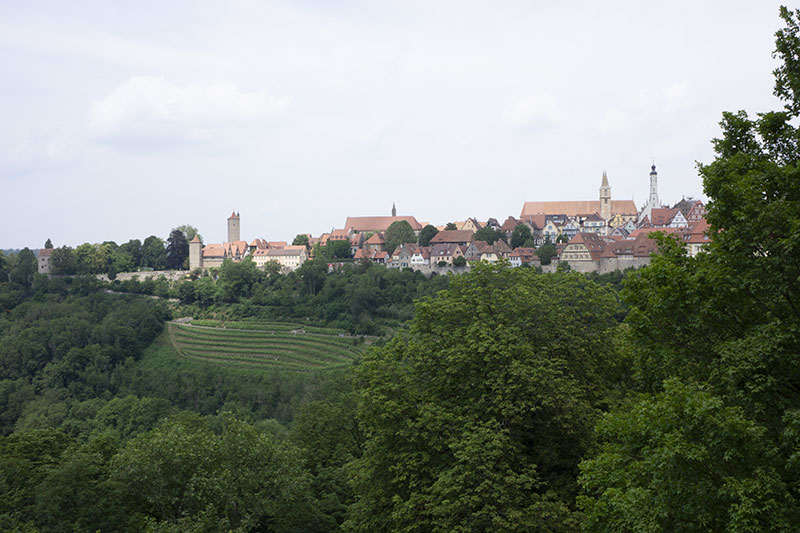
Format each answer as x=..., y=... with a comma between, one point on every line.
x=233, y=215
x=605, y=180
x=196, y=239
x=376, y=238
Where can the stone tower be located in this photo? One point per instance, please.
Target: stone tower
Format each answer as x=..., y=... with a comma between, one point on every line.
x=394, y=210
x=233, y=227
x=195, y=253
x=605, y=200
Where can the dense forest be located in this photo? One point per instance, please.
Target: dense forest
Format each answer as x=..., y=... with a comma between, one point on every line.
x=667, y=399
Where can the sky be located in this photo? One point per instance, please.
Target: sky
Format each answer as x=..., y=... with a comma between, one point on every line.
x=120, y=120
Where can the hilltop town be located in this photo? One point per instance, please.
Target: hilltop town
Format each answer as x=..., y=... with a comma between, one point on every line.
x=600, y=235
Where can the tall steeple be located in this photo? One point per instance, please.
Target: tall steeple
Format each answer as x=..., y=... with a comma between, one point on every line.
x=605, y=200
x=394, y=210
x=653, y=199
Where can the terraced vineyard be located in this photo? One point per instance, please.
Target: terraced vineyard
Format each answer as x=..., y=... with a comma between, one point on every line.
x=268, y=347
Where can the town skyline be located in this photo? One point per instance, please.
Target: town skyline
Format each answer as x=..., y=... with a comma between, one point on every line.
x=120, y=124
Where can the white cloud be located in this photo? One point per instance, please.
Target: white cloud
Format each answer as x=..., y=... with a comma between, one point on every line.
x=148, y=107
x=533, y=112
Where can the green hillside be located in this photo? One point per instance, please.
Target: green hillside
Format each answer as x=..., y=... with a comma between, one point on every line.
x=263, y=344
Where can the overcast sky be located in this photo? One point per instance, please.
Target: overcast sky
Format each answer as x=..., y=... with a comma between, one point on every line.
x=120, y=120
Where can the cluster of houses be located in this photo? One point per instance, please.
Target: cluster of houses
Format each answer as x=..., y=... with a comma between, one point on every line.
x=594, y=235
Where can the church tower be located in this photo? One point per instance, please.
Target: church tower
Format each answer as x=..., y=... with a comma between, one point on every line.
x=233, y=227
x=605, y=200
x=394, y=210
x=195, y=253
x=652, y=200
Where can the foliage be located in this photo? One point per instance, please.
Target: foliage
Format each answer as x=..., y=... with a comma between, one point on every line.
x=399, y=232
x=459, y=261
x=450, y=226
x=489, y=235
x=154, y=255
x=546, y=253
x=221, y=474
x=48, y=244
x=300, y=239
x=189, y=232
x=477, y=420
x=694, y=465
x=728, y=318
x=336, y=249
x=177, y=251
x=426, y=234
x=520, y=235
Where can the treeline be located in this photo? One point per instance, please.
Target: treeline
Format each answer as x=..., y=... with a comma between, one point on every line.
x=358, y=297
x=109, y=258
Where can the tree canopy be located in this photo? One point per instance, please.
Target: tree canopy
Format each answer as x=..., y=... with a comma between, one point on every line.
x=477, y=420
x=426, y=234
x=177, y=251
x=399, y=232
x=715, y=340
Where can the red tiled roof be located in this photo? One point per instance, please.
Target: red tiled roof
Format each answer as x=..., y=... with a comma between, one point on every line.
x=454, y=236
x=574, y=208
x=509, y=224
x=363, y=224
x=45, y=252
x=661, y=216
x=376, y=238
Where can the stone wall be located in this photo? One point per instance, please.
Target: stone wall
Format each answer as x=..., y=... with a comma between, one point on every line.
x=171, y=275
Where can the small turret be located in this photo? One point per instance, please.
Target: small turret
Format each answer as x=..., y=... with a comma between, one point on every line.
x=394, y=210
x=195, y=253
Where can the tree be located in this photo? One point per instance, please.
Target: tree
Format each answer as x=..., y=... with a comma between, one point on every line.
x=683, y=461
x=459, y=261
x=728, y=319
x=22, y=267
x=177, y=251
x=477, y=419
x=336, y=249
x=48, y=245
x=300, y=239
x=520, y=235
x=546, y=253
x=3, y=267
x=63, y=261
x=450, y=226
x=399, y=232
x=198, y=474
x=426, y=234
x=132, y=248
x=153, y=253
x=489, y=234
x=189, y=232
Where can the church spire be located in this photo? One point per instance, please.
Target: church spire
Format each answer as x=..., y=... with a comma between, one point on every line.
x=394, y=210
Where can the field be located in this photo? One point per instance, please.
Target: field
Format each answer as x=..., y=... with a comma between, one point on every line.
x=267, y=345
